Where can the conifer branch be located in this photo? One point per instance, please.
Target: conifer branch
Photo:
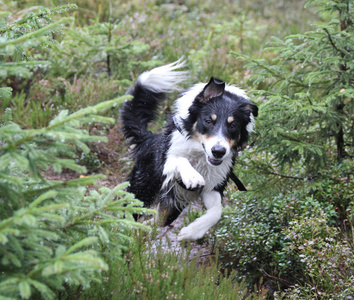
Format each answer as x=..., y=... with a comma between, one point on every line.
x=286, y=176
x=344, y=53
x=65, y=184
x=41, y=14
x=30, y=134
x=36, y=33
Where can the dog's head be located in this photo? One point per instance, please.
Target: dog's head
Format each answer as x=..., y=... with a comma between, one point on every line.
x=220, y=118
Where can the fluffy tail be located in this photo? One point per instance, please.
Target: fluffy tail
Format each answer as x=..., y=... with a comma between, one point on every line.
x=149, y=90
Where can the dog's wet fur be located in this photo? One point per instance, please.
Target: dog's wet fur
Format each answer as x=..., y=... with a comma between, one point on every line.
x=193, y=157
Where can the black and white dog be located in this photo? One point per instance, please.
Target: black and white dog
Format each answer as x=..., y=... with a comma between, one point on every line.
x=194, y=156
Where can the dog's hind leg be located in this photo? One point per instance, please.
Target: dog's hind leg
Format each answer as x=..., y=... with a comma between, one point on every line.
x=167, y=209
x=200, y=226
x=168, y=214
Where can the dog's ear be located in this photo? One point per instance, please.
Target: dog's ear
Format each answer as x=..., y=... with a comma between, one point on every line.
x=215, y=88
x=252, y=108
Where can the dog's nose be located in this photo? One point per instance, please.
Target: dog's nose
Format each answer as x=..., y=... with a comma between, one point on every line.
x=218, y=151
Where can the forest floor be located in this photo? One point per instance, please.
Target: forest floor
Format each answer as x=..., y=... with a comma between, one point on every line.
x=166, y=239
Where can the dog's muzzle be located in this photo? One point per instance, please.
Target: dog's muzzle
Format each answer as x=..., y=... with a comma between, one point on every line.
x=218, y=153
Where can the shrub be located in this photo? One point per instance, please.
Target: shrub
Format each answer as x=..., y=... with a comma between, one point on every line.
x=325, y=260
x=249, y=236
x=162, y=274
x=19, y=41
x=19, y=38
x=55, y=235
x=308, y=97
x=336, y=189
x=259, y=236
x=96, y=50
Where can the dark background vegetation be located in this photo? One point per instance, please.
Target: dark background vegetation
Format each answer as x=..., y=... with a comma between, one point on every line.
x=289, y=237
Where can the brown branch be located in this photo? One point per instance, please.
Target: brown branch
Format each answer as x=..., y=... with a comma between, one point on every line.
x=333, y=44
x=277, y=278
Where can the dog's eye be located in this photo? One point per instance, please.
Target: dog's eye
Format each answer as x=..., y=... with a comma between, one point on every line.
x=208, y=121
x=232, y=125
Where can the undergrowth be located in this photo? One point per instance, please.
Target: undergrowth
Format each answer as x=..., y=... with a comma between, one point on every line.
x=292, y=233
x=168, y=274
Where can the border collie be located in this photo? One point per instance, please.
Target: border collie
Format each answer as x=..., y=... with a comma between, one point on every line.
x=193, y=158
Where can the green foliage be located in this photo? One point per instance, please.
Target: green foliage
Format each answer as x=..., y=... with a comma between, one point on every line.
x=28, y=113
x=91, y=50
x=19, y=41
x=49, y=96
x=6, y=118
x=296, y=226
x=293, y=231
x=56, y=234
x=249, y=235
x=324, y=260
x=96, y=49
x=260, y=237
x=336, y=189
x=159, y=274
x=308, y=99
x=90, y=161
x=239, y=33
x=19, y=37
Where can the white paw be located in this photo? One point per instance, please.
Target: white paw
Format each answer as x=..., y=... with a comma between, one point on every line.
x=190, y=233
x=193, y=180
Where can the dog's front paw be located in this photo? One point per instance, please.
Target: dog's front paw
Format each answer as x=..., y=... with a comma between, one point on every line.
x=190, y=233
x=193, y=180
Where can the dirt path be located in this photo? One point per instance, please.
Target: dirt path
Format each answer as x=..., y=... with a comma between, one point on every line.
x=166, y=239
